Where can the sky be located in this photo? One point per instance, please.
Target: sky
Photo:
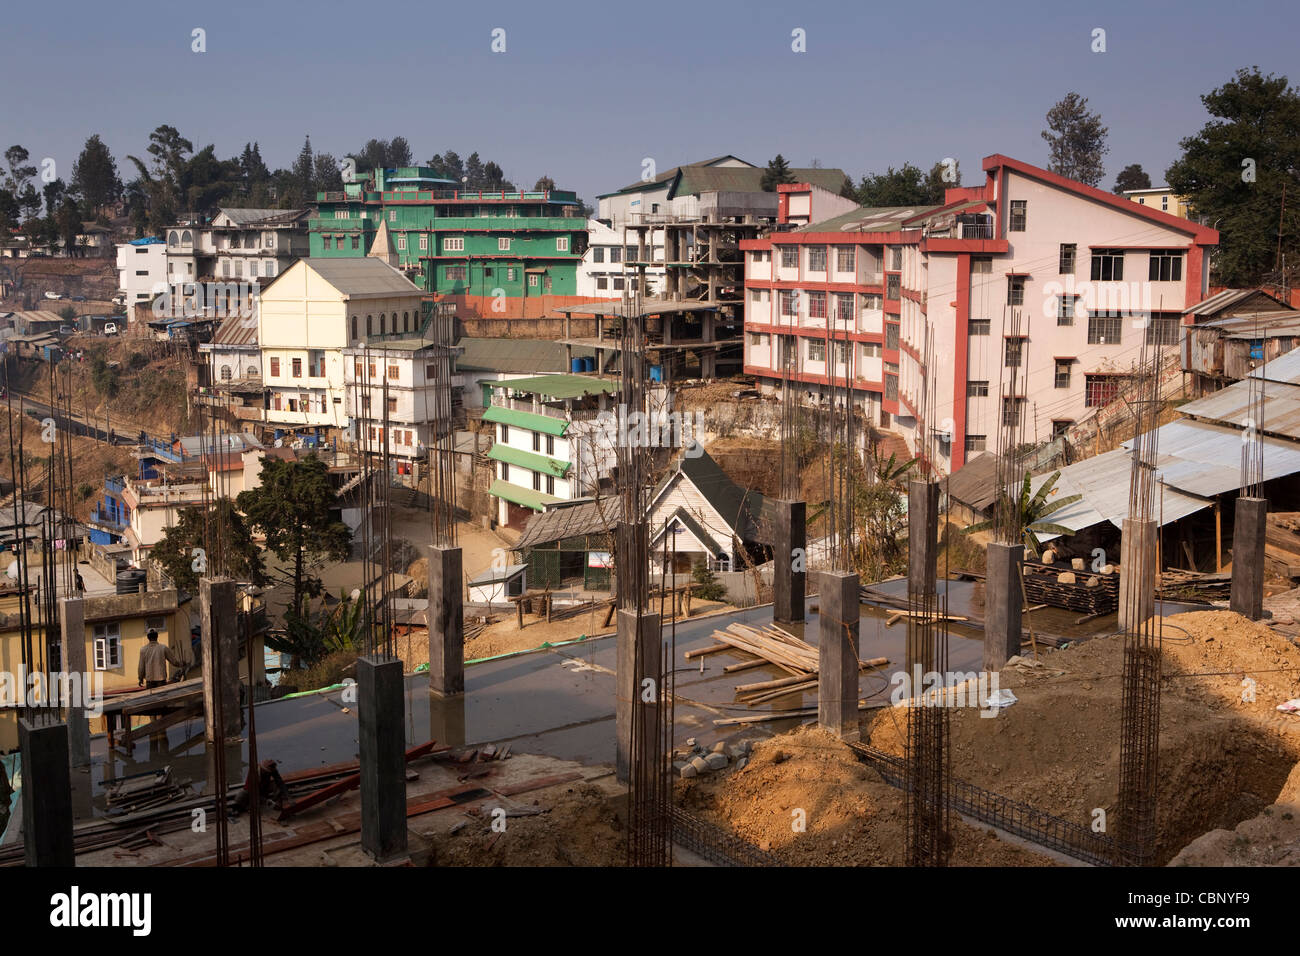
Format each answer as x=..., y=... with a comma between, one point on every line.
x=585, y=92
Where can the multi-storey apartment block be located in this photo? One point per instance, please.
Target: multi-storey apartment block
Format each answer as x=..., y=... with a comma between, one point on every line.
x=236, y=245
x=493, y=253
x=1028, y=278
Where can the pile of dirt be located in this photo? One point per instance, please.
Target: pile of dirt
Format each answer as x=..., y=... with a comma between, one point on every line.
x=580, y=827
x=1221, y=760
x=850, y=816
x=1270, y=839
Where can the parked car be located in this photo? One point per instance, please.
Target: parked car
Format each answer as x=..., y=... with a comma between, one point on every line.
x=78, y=298
x=67, y=330
x=110, y=328
x=54, y=295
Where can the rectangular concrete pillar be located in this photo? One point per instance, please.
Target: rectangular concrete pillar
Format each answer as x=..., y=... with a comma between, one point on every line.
x=636, y=657
x=220, y=637
x=922, y=565
x=381, y=708
x=1248, y=532
x=446, y=618
x=1137, y=572
x=1003, y=604
x=72, y=617
x=789, y=560
x=47, y=792
x=839, y=597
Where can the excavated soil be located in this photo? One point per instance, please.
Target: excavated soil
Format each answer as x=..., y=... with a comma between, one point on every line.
x=851, y=816
x=1221, y=760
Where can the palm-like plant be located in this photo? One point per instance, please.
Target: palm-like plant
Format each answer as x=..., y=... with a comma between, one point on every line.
x=1028, y=512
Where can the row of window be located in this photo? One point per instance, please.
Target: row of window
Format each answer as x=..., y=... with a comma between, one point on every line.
x=617, y=253
x=845, y=258
x=538, y=444
x=817, y=303
x=409, y=324
x=541, y=482
x=618, y=283
x=1106, y=326
x=268, y=268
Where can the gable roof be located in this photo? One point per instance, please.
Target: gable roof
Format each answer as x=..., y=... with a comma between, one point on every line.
x=693, y=180
x=1201, y=235
x=264, y=217
x=739, y=508
x=1236, y=300
x=664, y=177
x=356, y=278
x=590, y=517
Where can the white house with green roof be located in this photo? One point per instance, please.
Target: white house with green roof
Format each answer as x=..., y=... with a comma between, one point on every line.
x=549, y=444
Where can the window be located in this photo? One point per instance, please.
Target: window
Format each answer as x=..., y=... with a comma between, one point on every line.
x=537, y=481
x=1011, y=412
x=891, y=336
x=297, y=368
x=1066, y=306
x=1104, y=327
x=510, y=275
x=872, y=300
x=789, y=303
x=275, y=368
x=615, y=253
x=225, y=373
x=896, y=259
x=561, y=243
x=252, y=269
x=453, y=244
x=550, y=444
x=550, y=484
x=455, y=273
x=654, y=208
x=789, y=257
x=602, y=282
x=619, y=283
x=1100, y=389
x=1166, y=265
x=424, y=243
x=844, y=306
x=816, y=258
x=1068, y=250
x=755, y=295
x=356, y=242
x=841, y=352
x=845, y=258
x=629, y=254
x=817, y=305
x=816, y=350
x=505, y=471
x=392, y=215
x=871, y=350
x=977, y=389
x=757, y=339
x=537, y=441
x=393, y=372
x=505, y=434
x=1164, y=203
x=597, y=253
x=1015, y=290
x=1015, y=348
x=108, y=647
x=503, y=244
x=893, y=287
x=1063, y=367
x=532, y=281
x=373, y=371
x=1060, y=426
x=1162, y=329
x=1107, y=265
x=891, y=388
x=982, y=265
x=976, y=442
x=978, y=326
x=1019, y=211
x=401, y=243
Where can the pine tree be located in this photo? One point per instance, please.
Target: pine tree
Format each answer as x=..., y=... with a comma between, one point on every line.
x=1076, y=140
x=777, y=173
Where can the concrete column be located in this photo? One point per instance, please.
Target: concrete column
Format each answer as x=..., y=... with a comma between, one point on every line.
x=382, y=738
x=840, y=598
x=1248, y=532
x=1003, y=604
x=447, y=719
x=1137, y=572
x=72, y=615
x=220, y=639
x=922, y=562
x=637, y=658
x=789, y=535
x=46, y=793
x=446, y=618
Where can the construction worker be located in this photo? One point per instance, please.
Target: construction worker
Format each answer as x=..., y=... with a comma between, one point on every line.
x=154, y=658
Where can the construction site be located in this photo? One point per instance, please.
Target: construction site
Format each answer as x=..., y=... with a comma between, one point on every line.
x=881, y=703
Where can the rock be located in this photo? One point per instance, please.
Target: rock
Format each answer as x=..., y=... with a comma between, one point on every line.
x=716, y=761
x=700, y=765
x=679, y=764
x=720, y=747
x=735, y=752
x=1093, y=581
x=690, y=742
x=780, y=757
x=1049, y=556
x=747, y=746
x=688, y=771
x=740, y=764
x=1108, y=569
x=1077, y=564
x=1065, y=577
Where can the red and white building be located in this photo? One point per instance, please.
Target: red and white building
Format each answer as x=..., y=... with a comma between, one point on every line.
x=1029, y=276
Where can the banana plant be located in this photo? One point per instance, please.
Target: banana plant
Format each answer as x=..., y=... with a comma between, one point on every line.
x=1028, y=512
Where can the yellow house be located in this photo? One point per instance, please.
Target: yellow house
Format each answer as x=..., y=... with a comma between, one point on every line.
x=307, y=315
x=1162, y=198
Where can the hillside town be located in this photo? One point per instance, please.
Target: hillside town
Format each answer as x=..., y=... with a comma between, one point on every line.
x=388, y=512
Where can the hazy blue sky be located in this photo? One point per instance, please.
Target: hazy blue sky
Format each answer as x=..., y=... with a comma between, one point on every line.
x=584, y=91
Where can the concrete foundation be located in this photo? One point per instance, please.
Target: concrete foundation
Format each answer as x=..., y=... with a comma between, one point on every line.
x=789, y=546
x=837, y=656
x=1137, y=572
x=922, y=561
x=72, y=618
x=381, y=711
x=446, y=622
x=46, y=793
x=636, y=658
x=1251, y=524
x=1003, y=604
x=220, y=637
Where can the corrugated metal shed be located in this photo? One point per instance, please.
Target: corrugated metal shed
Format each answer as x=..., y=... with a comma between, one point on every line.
x=516, y=355
x=1205, y=459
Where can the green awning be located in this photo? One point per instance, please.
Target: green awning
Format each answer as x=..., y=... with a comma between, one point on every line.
x=527, y=420
x=527, y=459
x=524, y=497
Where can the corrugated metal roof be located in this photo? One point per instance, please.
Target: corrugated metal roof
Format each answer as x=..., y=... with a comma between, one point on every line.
x=527, y=420
x=1226, y=299
x=362, y=277
x=871, y=219
x=1205, y=459
x=747, y=179
x=244, y=217
x=516, y=355
x=560, y=386
x=975, y=483
x=594, y=516
x=237, y=331
x=668, y=175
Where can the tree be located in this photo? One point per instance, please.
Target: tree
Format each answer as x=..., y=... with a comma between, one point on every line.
x=494, y=177
x=707, y=587
x=475, y=178
x=326, y=175
x=68, y=225
x=240, y=555
x=908, y=186
x=94, y=175
x=399, y=152
x=53, y=193
x=1234, y=170
x=292, y=508
x=1132, y=177
x=20, y=171
x=67, y=313
x=1076, y=140
x=303, y=173
x=546, y=183
x=776, y=174
x=1029, y=512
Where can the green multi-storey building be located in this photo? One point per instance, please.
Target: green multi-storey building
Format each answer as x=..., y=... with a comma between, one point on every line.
x=497, y=253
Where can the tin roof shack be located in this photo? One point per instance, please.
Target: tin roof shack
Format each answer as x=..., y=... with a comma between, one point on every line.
x=571, y=542
x=1220, y=352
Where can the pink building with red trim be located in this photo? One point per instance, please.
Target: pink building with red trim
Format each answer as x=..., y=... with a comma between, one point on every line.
x=1028, y=276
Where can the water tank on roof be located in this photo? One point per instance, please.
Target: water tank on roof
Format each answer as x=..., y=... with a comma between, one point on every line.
x=131, y=580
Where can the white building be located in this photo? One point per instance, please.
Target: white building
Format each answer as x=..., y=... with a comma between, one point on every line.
x=141, y=268
x=237, y=244
x=550, y=445
x=604, y=273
